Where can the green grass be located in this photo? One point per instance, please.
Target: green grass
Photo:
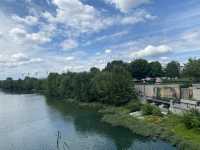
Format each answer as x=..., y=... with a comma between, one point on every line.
x=174, y=124
x=191, y=135
x=169, y=128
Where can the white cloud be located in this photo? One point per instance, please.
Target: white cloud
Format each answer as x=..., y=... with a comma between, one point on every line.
x=69, y=58
x=126, y=5
x=164, y=58
x=77, y=16
x=76, y=68
x=107, y=37
x=136, y=17
x=28, y=20
x=192, y=36
x=107, y=51
x=19, y=34
x=1, y=34
x=39, y=37
x=69, y=44
x=151, y=50
x=17, y=59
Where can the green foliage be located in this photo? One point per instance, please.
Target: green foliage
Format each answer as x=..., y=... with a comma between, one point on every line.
x=112, y=88
x=28, y=85
x=148, y=109
x=169, y=128
x=155, y=69
x=173, y=69
x=112, y=85
x=192, y=69
x=191, y=119
x=53, y=83
x=117, y=66
x=139, y=68
x=134, y=105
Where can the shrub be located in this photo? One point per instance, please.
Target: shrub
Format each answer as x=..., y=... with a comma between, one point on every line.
x=156, y=111
x=134, y=106
x=191, y=119
x=148, y=109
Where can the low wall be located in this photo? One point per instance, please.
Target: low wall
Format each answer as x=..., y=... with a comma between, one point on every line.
x=196, y=91
x=159, y=91
x=187, y=93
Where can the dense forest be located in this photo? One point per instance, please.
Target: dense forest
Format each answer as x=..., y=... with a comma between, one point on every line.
x=112, y=85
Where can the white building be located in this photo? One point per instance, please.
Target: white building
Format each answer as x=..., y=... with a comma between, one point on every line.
x=196, y=91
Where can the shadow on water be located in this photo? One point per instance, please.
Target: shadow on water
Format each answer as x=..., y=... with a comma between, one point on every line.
x=87, y=120
x=31, y=122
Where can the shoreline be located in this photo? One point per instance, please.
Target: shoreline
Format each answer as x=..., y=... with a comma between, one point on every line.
x=151, y=127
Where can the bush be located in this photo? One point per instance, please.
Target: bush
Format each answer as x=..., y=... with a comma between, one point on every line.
x=156, y=111
x=191, y=119
x=134, y=106
x=148, y=109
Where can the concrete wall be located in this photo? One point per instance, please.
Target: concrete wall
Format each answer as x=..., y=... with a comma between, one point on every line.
x=196, y=91
x=169, y=91
x=187, y=93
x=149, y=91
x=158, y=90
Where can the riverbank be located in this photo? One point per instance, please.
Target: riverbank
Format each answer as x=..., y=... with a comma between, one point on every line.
x=169, y=127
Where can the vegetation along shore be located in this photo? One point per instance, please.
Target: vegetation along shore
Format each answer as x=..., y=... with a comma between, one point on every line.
x=112, y=89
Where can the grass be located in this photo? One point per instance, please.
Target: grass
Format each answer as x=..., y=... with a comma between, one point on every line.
x=168, y=128
x=189, y=135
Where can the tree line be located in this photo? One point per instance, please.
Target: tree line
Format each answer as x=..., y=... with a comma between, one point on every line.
x=111, y=85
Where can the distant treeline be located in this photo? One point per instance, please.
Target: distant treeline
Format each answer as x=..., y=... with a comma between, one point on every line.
x=112, y=85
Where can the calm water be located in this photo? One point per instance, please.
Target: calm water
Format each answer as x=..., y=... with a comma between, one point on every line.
x=31, y=122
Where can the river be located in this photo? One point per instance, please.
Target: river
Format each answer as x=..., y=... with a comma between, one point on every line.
x=32, y=122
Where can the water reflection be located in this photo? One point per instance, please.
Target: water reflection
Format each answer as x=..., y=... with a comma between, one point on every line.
x=87, y=122
x=31, y=122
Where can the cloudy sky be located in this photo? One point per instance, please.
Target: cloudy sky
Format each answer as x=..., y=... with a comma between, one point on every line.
x=41, y=36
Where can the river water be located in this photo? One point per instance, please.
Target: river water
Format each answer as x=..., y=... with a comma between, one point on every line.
x=32, y=122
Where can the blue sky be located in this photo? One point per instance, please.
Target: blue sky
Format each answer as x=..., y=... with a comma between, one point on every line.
x=41, y=36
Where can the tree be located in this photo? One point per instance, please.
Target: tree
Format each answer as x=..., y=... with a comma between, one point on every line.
x=82, y=86
x=155, y=69
x=173, y=69
x=8, y=84
x=117, y=66
x=192, y=69
x=53, y=83
x=94, y=70
x=139, y=68
x=112, y=88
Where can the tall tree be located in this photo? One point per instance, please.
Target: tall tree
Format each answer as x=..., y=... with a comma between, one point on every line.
x=172, y=69
x=139, y=68
x=112, y=88
x=116, y=66
x=155, y=69
x=192, y=69
x=53, y=83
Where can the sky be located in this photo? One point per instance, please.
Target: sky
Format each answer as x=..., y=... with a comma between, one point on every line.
x=42, y=36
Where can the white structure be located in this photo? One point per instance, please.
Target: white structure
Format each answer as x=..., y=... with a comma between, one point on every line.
x=181, y=99
x=196, y=91
x=184, y=105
